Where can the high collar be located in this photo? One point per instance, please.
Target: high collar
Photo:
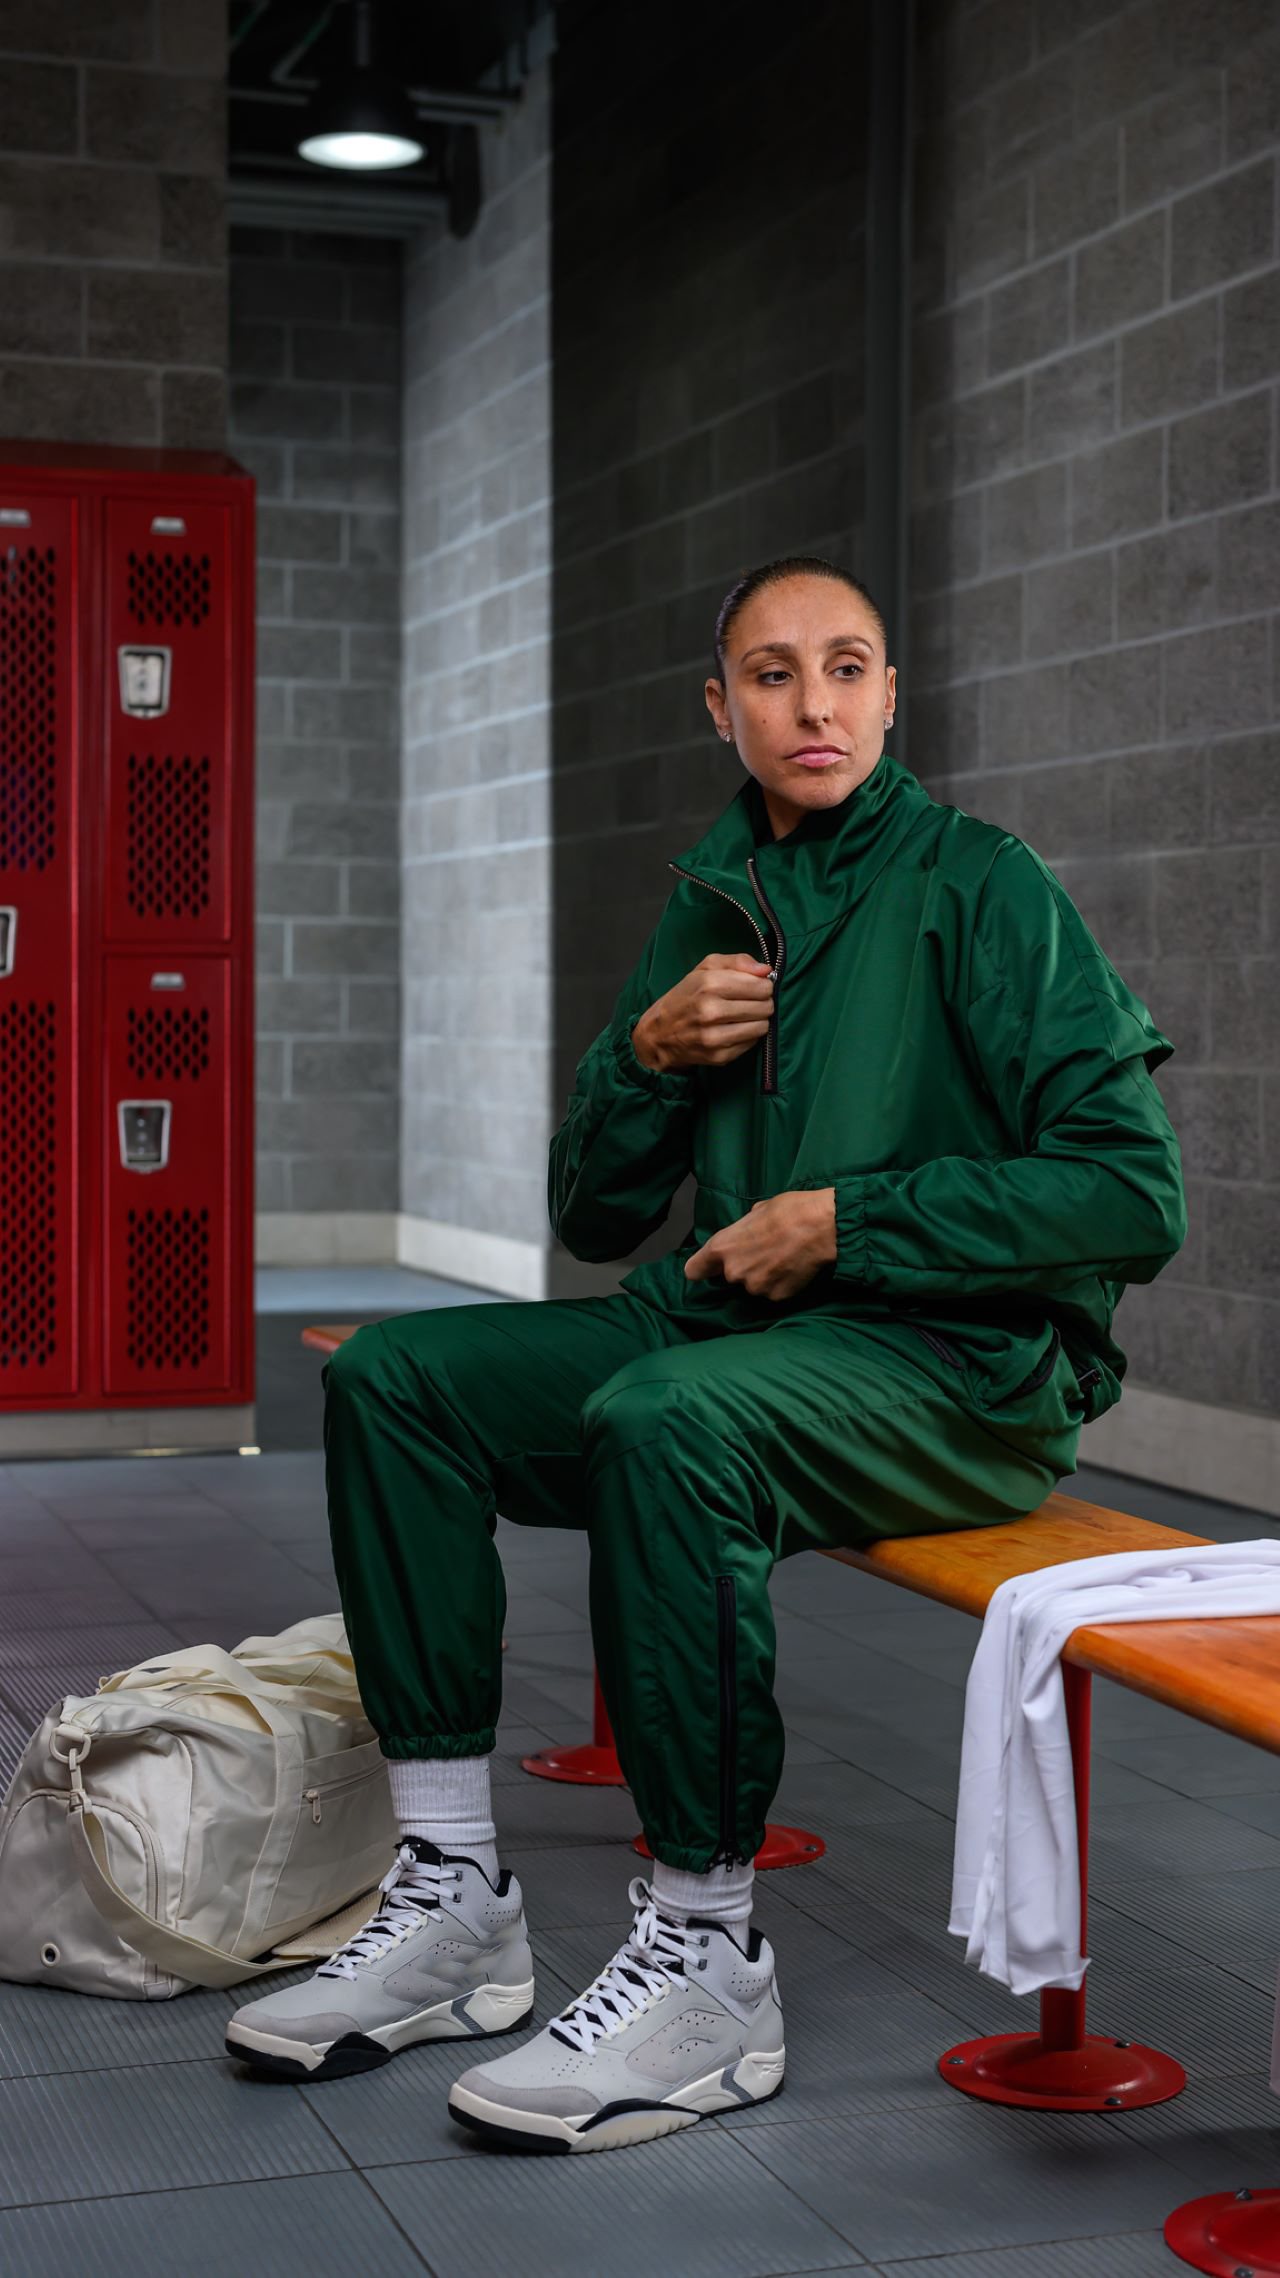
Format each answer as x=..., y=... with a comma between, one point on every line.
x=826, y=863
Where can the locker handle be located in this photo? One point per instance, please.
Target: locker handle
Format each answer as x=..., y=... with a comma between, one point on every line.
x=15, y=517
x=143, y=1126
x=168, y=526
x=8, y=941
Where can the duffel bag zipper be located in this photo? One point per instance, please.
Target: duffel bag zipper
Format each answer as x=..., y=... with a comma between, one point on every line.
x=332, y=1788
x=769, y=1057
x=727, y=1660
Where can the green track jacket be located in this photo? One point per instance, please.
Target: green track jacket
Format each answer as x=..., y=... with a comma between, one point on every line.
x=950, y=1050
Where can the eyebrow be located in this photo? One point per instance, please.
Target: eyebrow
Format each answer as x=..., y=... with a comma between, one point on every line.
x=784, y=648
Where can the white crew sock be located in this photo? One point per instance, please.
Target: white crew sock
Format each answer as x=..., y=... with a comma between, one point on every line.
x=722, y=1893
x=446, y=1799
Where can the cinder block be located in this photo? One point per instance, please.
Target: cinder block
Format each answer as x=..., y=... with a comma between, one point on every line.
x=1170, y=365
x=1253, y=74
x=192, y=36
x=1251, y=331
x=1025, y=517
x=1175, y=141
x=1244, y=796
x=1025, y=715
x=340, y=477
x=1029, y=318
x=1226, y=226
x=1231, y=689
x=80, y=403
x=1116, y=489
x=38, y=106
x=1159, y=800
x=352, y=828
x=946, y=542
x=373, y=1007
x=290, y=414
x=1249, y=559
x=81, y=29
x=295, y=652
x=280, y=290
x=298, y=889
x=1114, y=699
x=1209, y=903
x=299, y=534
x=1076, y=192
x=79, y=213
x=300, y=770
x=193, y=411
x=1243, y=1240
x=39, y=310
x=1070, y=606
x=299, y=1008
x=346, y=596
x=143, y=118
x=347, y=1127
x=1063, y=811
x=1167, y=581
x=1123, y=62
x=1114, y=897
x=354, y=948
x=372, y=889
x=1121, y=275
x=193, y=221
x=167, y=317
x=339, y=353
x=346, y=1069
x=1245, y=1011
x=991, y=234
x=1072, y=401
x=365, y=1181
x=1220, y=457
x=373, y=541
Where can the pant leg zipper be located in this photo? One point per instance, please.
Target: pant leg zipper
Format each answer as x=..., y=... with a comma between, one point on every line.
x=938, y=1345
x=727, y=1658
x=1039, y=1375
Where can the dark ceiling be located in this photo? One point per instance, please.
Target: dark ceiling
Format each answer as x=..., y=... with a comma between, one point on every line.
x=461, y=60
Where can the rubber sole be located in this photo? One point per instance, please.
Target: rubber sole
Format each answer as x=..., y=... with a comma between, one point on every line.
x=485, y=2013
x=754, y=2079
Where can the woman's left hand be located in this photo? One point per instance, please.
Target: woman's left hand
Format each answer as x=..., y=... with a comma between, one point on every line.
x=777, y=1248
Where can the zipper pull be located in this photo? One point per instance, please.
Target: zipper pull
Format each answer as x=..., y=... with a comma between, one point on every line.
x=312, y=1796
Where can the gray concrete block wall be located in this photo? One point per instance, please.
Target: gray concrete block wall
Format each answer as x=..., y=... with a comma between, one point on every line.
x=708, y=320
x=1095, y=557
x=315, y=416
x=476, y=862
x=113, y=264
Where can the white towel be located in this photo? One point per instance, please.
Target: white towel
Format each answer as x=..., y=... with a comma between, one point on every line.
x=1016, y=1887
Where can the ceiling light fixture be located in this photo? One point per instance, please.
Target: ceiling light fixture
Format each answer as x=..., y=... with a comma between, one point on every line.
x=362, y=120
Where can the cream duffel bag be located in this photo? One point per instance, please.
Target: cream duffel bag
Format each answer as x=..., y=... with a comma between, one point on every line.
x=192, y=1817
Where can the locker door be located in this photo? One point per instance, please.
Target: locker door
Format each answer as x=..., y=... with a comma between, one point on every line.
x=168, y=704
x=39, y=1007
x=166, y=1153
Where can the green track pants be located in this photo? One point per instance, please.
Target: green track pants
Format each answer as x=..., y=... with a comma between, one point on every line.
x=694, y=1461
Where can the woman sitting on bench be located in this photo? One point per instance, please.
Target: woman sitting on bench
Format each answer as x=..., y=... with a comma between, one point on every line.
x=917, y=1101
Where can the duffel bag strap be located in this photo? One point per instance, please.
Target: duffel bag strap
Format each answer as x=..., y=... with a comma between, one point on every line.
x=170, y=1949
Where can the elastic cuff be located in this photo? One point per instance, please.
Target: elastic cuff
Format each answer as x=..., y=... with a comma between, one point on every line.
x=701, y=1860
x=437, y=1745
x=853, y=1255
x=667, y=1083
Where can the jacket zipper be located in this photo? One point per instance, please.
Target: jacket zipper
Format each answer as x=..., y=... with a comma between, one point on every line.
x=768, y=1081
x=727, y=1658
x=1037, y=1377
x=948, y=1352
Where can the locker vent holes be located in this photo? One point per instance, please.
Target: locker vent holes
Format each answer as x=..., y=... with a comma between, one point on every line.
x=167, y=1043
x=168, y=589
x=28, y=782
x=29, y=1227
x=168, y=1299
x=169, y=836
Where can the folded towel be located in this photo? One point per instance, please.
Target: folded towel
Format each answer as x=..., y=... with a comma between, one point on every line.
x=1016, y=1886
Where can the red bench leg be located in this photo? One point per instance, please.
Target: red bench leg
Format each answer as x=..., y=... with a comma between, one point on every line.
x=1063, y=2067
x=1228, y=2232
x=596, y=1765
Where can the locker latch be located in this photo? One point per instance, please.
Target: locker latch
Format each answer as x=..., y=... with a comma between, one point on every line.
x=144, y=1133
x=144, y=681
x=8, y=941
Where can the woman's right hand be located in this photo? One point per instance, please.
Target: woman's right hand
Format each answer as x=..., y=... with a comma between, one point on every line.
x=716, y=1013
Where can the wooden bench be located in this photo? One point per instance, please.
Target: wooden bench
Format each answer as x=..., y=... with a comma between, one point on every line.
x=1222, y=1671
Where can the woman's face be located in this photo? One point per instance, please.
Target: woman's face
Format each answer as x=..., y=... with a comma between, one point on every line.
x=805, y=673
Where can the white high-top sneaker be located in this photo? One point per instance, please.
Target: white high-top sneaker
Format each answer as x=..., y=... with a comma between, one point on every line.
x=680, y=2023
x=445, y=1957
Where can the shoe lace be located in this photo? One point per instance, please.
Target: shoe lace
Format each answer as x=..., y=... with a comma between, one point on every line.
x=412, y=1888
x=655, y=1957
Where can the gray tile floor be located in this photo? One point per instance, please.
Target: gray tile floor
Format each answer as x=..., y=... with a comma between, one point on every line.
x=128, y=2138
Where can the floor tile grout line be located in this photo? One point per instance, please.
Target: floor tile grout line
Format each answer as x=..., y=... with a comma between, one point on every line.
x=356, y=2169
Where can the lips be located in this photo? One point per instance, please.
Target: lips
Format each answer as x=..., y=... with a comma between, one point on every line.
x=815, y=758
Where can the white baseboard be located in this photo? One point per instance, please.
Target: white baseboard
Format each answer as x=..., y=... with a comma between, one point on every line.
x=498, y=1262
x=325, y=1238
x=125, y=1431
x=1231, y=1455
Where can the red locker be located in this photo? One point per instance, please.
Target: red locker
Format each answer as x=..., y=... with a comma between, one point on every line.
x=126, y=949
